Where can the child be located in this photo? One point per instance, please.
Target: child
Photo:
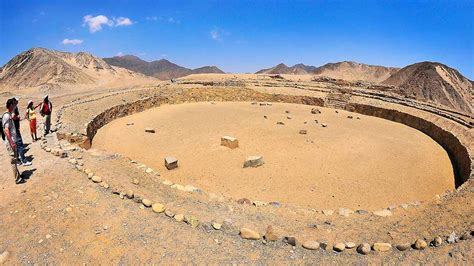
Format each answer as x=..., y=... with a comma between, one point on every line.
x=31, y=116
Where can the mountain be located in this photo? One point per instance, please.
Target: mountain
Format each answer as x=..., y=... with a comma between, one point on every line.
x=435, y=82
x=353, y=71
x=350, y=71
x=161, y=69
x=281, y=68
x=43, y=68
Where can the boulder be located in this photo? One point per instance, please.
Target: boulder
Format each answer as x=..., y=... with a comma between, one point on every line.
x=383, y=213
x=96, y=179
x=271, y=235
x=229, y=142
x=303, y=131
x=420, y=244
x=244, y=201
x=437, y=241
x=158, y=207
x=363, y=249
x=315, y=111
x=149, y=130
x=171, y=162
x=253, y=161
x=311, y=245
x=246, y=233
x=403, y=246
x=146, y=202
x=290, y=240
x=382, y=247
x=350, y=245
x=339, y=247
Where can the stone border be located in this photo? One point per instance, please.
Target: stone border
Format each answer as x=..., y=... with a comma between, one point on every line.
x=269, y=236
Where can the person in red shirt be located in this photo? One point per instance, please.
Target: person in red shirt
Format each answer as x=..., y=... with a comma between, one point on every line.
x=45, y=110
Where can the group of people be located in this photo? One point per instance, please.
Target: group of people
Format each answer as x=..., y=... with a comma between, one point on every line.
x=11, y=134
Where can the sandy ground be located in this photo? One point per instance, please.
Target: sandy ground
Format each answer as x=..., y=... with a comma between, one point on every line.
x=365, y=163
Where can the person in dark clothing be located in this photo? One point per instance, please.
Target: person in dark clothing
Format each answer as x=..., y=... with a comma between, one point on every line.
x=19, y=140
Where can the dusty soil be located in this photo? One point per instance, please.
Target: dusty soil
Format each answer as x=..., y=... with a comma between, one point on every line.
x=60, y=216
x=367, y=163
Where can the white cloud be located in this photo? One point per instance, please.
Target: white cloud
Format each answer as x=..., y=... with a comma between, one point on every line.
x=72, y=41
x=119, y=54
x=95, y=23
x=122, y=21
x=215, y=35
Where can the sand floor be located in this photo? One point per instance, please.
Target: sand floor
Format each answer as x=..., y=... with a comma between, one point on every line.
x=365, y=163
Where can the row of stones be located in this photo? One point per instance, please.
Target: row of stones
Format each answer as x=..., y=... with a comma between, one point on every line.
x=246, y=233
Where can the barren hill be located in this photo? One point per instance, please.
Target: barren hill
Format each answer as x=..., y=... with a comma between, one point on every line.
x=161, y=69
x=435, y=82
x=298, y=69
x=346, y=70
x=46, y=69
x=352, y=71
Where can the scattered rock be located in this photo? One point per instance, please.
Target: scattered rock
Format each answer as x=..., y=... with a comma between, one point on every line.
x=350, y=245
x=288, y=117
x=129, y=194
x=68, y=209
x=271, y=235
x=420, y=244
x=178, y=187
x=383, y=213
x=303, y=131
x=325, y=246
x=229, y=142
x=216, y=226
x=452, y=238
x=465, y=236
x=324, y=125
x=361, y=212
x=192, y=220
x=403, y=246
x=158, y=207
x=275, y=204
x=171, y=162
x=311, y=245
x=169, y=213
x=179, y=217
x=96, y=179
x=90, y=175
x=244, y=201
x=146, y=202
x=73, y=161
x=131, y=124
x=149, y=130
x=363, y=249
x=315, y=111
x=253, y=161
x=149, y=170
x=437, y=241
x=339, y=247
x=382, y=247
x=257, y=203
x=246, y=233
x=280, y=123
x=48, y=236
x=290, y=240
x=287, y=111
x=265, y=117
x=350, y=116
x=135, y=181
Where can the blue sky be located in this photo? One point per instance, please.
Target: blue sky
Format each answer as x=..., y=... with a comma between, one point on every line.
x=245, y=36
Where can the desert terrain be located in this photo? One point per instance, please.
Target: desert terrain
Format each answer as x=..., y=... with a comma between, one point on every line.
x=391, y=185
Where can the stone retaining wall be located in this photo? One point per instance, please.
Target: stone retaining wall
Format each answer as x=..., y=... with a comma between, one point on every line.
x=458, y=152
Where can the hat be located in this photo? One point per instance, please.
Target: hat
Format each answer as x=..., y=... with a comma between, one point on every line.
x=45, y=97
x=30, y=102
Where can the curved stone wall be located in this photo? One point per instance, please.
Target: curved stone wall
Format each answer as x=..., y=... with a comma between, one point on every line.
x=458, y=152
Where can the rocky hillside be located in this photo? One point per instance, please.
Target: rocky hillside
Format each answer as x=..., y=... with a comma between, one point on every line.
x=298, y=69
x=43, y=68
x=161, y=69
x=350, y=71
x=435, y=82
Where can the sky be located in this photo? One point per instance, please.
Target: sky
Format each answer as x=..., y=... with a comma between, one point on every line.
x=245, y=36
